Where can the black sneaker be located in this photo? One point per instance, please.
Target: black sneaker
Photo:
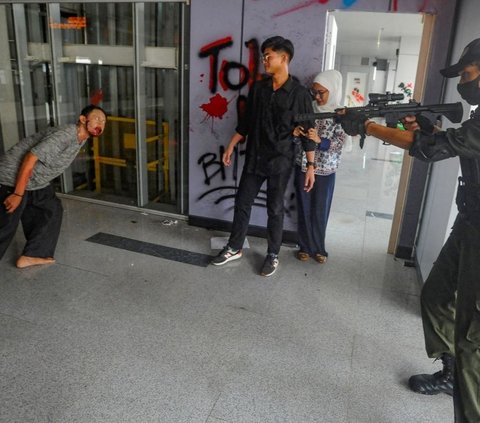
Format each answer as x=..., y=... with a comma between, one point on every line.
x=437, y=383
x=269, y=265
x=226, y=255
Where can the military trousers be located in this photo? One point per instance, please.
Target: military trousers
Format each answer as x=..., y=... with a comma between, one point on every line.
x=450, y=303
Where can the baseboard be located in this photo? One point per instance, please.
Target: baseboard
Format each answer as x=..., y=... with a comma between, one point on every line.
x=288, y=237
x=403, y=252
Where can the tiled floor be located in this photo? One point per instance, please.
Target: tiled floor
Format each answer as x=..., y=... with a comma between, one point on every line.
x=111, y=335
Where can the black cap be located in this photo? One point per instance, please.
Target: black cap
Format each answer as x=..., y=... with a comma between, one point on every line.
x=470, y=54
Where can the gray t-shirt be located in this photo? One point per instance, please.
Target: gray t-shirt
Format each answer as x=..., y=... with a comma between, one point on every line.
x=56, y=148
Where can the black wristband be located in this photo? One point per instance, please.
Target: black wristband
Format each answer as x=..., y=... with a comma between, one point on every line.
x=311, y=164
x=18, y=195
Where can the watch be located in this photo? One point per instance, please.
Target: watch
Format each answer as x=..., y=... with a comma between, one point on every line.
x=311, y=164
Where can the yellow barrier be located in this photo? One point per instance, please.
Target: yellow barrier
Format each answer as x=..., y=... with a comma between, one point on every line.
x=129, y=142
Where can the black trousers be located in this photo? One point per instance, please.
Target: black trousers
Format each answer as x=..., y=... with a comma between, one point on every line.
x=41, y=215
x=248, y=189
x=313, y=211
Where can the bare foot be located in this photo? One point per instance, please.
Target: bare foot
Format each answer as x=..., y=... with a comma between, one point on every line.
x=25, y=261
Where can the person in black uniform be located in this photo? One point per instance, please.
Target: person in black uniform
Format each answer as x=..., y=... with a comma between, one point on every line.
x=450, y=298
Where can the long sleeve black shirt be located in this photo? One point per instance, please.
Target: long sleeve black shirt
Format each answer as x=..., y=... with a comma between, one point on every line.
x=268, y=125
x=463, y=142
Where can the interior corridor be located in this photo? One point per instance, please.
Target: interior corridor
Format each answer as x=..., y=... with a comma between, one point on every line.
x=130, y=325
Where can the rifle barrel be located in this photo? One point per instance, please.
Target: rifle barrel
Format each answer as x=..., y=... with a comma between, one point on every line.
x=453, y=111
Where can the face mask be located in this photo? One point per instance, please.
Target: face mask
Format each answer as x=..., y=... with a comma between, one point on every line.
x=470, y=91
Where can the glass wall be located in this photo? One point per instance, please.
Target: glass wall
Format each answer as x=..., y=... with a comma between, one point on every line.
x=125, y=57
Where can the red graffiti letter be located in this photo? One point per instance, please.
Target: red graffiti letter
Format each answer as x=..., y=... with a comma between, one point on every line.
x=212, y=50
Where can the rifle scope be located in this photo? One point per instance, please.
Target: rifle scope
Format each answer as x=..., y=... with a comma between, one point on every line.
x=384, y=98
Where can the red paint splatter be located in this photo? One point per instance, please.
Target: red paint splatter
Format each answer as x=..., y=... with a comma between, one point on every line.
x=216, y=107
x=359, y=98
x=96, y=96
x=298, y=7
x=346, y=3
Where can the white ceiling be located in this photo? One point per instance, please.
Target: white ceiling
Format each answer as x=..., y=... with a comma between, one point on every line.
x=358, y=32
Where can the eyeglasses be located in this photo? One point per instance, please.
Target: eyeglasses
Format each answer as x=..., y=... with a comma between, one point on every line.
x=314, y=93
x=268, y=56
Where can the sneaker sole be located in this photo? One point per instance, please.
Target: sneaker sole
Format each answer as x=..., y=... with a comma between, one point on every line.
x=235, y=257
x=267, y=274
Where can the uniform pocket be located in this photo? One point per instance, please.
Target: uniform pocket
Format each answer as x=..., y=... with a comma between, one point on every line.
x=473, y=333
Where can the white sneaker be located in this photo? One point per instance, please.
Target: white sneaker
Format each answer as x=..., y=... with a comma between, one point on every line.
x=226, y=255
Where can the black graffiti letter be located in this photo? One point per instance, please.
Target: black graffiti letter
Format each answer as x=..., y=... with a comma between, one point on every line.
x=210, y=159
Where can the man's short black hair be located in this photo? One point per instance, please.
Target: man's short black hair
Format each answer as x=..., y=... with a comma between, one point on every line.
x=279, y=43
x=90, y=108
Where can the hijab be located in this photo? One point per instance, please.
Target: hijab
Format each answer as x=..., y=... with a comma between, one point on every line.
x=332, y=81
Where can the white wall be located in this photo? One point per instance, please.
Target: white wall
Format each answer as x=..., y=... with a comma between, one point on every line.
x=401, y=70
x=407, y=61
x=379, y=84
x=346, y=64
x=439, y=210
x=392, y=71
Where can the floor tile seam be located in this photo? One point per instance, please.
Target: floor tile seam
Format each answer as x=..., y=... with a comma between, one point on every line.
x=390, y=290
x=11, y=316
x=83, y=270
x=213, y=407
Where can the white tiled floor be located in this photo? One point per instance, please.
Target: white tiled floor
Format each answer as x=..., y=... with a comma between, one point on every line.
x=107, y=335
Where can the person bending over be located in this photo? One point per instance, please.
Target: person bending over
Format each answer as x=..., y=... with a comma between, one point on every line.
x=26, y=193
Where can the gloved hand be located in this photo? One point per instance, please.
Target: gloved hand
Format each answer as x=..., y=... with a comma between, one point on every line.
x=418, y=122
x=425, y=124
x=353, y=123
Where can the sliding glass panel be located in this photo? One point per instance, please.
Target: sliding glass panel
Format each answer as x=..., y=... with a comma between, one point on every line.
x=59, y=57
x=106, y=167
x=162, y=37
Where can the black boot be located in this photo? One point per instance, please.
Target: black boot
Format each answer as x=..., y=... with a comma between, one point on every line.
x=437, y=383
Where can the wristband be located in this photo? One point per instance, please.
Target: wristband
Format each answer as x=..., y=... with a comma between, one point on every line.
x=310, y=164
x=18, y=195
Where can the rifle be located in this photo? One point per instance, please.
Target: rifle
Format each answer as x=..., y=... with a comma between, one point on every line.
x=393, y=113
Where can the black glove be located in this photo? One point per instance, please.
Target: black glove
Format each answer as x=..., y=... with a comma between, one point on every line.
x=353, y=123
x=425, y=124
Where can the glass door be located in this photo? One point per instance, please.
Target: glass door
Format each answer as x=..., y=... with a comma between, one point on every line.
x=161, y=89
x=96, y=63
x=125, y=57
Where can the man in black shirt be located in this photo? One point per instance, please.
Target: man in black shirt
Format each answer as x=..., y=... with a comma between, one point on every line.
x=268, y=126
